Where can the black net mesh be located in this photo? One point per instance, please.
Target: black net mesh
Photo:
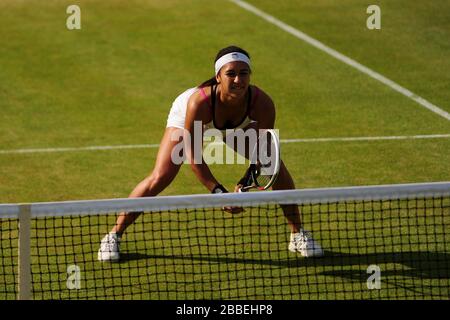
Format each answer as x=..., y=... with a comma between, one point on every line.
x=390, y=249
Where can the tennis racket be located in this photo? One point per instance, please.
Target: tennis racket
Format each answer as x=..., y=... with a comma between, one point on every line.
x=264, y=163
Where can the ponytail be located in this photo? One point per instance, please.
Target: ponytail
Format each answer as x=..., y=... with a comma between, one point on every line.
x=208, y=83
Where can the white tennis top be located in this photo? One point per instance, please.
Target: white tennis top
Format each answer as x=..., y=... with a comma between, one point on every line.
x=177, y=114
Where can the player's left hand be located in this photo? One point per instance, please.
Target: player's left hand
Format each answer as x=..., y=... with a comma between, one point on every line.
x=234, y=210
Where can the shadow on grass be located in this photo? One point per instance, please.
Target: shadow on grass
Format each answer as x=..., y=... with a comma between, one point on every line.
x=424, y=265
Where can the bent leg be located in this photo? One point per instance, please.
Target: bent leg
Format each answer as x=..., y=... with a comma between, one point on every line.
x=283, y=182
x=291, y=212
x=300, y=240
x=164, y=172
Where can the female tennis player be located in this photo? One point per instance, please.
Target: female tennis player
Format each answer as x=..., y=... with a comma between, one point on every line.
x=226, y=101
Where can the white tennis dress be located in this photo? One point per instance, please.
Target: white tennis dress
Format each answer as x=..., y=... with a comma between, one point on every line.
x=177, y=113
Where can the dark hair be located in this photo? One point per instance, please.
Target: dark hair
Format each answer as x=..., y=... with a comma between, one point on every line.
x=220, y=54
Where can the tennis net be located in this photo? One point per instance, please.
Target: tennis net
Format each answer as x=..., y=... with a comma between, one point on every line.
x=379, y=242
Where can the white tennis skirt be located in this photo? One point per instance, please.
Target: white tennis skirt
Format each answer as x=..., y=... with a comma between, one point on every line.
x=177, y=114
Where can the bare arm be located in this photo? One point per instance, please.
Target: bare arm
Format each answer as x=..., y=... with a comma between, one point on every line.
x=264, y=112
x=195, y=117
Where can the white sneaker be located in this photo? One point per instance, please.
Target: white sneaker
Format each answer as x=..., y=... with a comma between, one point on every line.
x=304, y=243
x=109, y=248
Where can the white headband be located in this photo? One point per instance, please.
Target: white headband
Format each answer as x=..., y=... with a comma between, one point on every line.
x=230, y=57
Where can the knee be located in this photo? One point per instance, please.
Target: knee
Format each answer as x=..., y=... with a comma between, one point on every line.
x=158, y=180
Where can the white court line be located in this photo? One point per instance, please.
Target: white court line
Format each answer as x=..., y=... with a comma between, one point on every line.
x=92, y=148
x=319, y=45
x=146, y=146
x=431, y=136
